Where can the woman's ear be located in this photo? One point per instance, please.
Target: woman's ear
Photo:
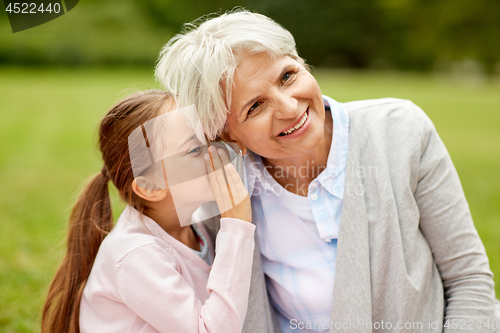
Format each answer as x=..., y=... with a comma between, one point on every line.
x=148, y=191
x=226, y=137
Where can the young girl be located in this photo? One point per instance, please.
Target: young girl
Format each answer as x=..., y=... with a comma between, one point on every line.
x=153, y=272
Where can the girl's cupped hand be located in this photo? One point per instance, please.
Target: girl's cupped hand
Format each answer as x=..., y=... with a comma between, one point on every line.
x=230, y=193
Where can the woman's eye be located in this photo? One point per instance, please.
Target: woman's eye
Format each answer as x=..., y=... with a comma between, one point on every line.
x=254, y=106
x=194, y=151
x=287, y=76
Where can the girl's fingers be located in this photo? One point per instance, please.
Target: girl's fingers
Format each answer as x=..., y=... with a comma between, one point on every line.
x=223, y=156
x=225, y=162
x=217, y=181
x=224, y=202
x=211, y=175
x=219, y=170
x=215, y=158
x=233, y=177
x=235, y=183
x=234, y=190
x=238, y=190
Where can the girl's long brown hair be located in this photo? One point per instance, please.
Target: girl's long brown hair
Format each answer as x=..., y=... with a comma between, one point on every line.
x=91, y=218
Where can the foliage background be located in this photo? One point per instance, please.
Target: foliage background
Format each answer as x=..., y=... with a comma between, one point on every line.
x=402, y=34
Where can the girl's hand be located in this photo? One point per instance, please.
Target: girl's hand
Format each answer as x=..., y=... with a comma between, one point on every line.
x=230, y=194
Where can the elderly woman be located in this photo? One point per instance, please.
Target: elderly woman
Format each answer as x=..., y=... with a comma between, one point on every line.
x=362, y=223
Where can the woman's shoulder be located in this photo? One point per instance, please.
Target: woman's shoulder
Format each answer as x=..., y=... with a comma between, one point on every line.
x=388, y=118
x=389, y=132
x=382, y=108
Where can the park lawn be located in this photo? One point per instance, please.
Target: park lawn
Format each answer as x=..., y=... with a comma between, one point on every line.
x=48, y=128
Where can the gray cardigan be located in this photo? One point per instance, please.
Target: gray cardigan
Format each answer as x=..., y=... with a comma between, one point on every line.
x=408, y=252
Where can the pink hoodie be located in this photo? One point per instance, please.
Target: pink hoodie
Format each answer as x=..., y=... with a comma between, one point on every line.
x=144, y=280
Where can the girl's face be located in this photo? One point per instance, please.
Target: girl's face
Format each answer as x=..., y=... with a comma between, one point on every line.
x=184, y=162
x=276, y=108
x=179, y=160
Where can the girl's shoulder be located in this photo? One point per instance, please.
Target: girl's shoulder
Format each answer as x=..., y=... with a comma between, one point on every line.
x=134, y=246
x=132, y=232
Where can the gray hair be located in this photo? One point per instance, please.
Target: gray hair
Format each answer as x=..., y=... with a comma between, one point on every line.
x=197, y=66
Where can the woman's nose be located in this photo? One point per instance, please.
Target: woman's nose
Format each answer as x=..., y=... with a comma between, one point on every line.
x=286, y=107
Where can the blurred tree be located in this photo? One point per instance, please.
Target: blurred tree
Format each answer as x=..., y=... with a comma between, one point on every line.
x=421, y=31
x=340, y=33
x=176, y=13
x=94, y=32
x=407, y=34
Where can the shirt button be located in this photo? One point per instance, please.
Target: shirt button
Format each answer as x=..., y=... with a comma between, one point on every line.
x=314, y=197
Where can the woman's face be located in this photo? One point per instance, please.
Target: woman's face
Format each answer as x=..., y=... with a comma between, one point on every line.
x=276, y=108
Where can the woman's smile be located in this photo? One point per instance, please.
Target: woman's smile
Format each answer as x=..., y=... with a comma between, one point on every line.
x=296, y=130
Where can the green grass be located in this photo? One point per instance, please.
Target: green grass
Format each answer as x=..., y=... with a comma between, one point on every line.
x=47, y=129
x=47, y=133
